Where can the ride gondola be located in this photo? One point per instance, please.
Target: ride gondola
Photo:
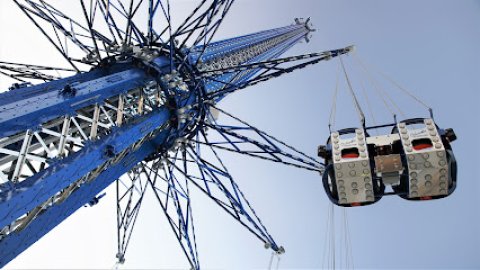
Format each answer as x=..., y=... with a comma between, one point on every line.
x=416, y=160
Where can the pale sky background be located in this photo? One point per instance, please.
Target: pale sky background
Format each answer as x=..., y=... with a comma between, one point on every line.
x=430, y=47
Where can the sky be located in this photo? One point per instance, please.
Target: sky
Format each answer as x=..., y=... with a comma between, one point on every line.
x=429, y=47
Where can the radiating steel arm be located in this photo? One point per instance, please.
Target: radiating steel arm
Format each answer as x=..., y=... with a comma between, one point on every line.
x=214, y=180
x=172, y=192
x=212, y=25
x=130, y=193
x=243, y=138
x=268, y=71
x=274, y=64
x=26, y=72
x=204, y=21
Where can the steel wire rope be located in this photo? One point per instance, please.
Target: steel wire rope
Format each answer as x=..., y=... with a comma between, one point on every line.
x=330, y=221
x=395, y=83
x=369, y=106
x=345, y=242
x=271, y=261
x=394, y=104
x=116, y=266
x=367, y=100
x=352, y=93
x=409, y=93
x=326, y=239
x=379, y=91
x=342, y=245
x=333, y=109
x=332, y=235
x=348, y=243
x=277, y=265
x=376, y=84
x=382, y=93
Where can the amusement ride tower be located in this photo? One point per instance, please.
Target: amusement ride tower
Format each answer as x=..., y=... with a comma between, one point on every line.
x=139, y=102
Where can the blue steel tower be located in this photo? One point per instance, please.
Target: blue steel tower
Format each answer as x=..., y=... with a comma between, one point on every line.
x=137, y=103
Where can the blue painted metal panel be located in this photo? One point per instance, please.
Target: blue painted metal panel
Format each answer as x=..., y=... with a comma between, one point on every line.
x=38, y=104
x=54, y=86
x=28, y=112
x=35, y=190
x=94, y=87
x=38, y=188
x=274, y=53
x=221, y=48
x=213, y=45
x=212, y=86
x=15, y=243
x=213, y=53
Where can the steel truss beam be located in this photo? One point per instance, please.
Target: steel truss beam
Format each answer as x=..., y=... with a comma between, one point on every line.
x=46, y=220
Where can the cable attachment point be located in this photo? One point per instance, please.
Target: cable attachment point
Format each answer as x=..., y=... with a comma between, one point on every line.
x=121, y=258
x=69, y=91
x=351, y=48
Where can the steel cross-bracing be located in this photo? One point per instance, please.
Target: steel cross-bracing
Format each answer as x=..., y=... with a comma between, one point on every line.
x=136, y=100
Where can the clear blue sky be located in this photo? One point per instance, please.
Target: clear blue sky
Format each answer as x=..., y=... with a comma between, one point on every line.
x=429, y=46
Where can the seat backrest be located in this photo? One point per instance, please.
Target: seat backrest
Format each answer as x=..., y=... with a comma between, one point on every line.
x=426, y=159
x=353, y=174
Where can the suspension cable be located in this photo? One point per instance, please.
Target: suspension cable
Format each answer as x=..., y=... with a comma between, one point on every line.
x=333, y=236
x=409, y=93
x=352, y=92
x=377, y=89
x=326, y=244
x=278, y=261
x=270, y=264
x=349, y=242
x=369, y=105
x=333, y=110
x=396, y=85
x=342, y=246
x=392, y=101
x=329, y=258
